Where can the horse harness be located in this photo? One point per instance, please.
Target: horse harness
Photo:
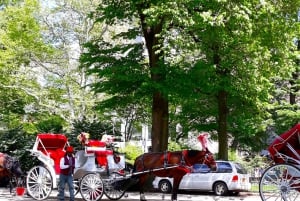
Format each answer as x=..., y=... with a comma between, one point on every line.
x=182, y=161
x=166, y=164
x=167, y=159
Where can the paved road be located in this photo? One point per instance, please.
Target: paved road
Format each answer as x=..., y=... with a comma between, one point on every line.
x=151, y=196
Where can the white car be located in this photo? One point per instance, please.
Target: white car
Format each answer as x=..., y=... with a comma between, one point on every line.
x=229, y=177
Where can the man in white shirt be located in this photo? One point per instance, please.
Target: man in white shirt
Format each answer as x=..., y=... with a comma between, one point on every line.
x=67, y=165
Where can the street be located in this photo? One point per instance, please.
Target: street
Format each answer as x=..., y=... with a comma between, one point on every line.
x=151, y=196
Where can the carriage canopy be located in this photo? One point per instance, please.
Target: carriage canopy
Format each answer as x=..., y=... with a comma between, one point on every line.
x=45, y=141
x=287, y=143
x=52, y=145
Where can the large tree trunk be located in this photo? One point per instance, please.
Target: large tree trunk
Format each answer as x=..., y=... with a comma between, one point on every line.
x=160, y=119
x=222, y=122
x=222, y=110
x=160, y=109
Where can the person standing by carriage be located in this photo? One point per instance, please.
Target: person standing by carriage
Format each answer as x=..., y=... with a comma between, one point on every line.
x=67, y=165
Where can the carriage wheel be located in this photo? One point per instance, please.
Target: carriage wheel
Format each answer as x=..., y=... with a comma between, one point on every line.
x=280, y=182
x=112, y=188
x=39, y=183
x=91, y=187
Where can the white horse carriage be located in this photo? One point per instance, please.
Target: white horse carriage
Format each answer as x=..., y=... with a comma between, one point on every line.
x=97, y=168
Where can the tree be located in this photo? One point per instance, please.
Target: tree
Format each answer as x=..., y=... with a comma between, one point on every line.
x=64, y=86
x=20, y=41
x=216, y=56
x=241, y=51
x=45, y=55
x=146, y=76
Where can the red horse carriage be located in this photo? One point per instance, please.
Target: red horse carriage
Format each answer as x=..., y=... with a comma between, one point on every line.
x=100, y=171
x=281, y=181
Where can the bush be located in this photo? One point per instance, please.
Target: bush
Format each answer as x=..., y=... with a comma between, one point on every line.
x=131, y=153
x=16, y=143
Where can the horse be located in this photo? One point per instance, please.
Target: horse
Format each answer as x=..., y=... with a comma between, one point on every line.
x=9, y=167
x=169, y=164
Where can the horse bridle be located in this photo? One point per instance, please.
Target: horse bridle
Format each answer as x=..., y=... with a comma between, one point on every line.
x=206, y=157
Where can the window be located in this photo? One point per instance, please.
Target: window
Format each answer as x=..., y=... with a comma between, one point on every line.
x=224, y=167
x=240, y=169
x=200, y=168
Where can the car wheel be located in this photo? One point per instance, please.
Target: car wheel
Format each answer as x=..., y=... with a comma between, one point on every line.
x=220, y=188
x=165, y=186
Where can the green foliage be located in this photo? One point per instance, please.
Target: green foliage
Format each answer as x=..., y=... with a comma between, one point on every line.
x=95, y=128
x=21, y=35
x=30, y=128
x=285, y=117
x=20, y=43
x=53, y=124
x=242, y=48
x=255, y=162
x=131, y=152
x=232, y=155
x=237, y=57
x=16, y=143
x=174, y=146
x=205, y=48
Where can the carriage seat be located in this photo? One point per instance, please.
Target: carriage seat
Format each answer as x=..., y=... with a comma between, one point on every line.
x=101, y=157
x=98, y=148
x=95, y=145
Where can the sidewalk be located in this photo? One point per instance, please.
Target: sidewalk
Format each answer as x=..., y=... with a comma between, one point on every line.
x=134, y=196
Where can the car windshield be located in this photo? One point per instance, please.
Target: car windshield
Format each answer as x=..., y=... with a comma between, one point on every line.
x=240, y=169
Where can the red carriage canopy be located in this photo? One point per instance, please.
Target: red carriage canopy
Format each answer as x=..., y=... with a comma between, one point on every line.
x=287, y=143
x=51, y=141
x=52, y=145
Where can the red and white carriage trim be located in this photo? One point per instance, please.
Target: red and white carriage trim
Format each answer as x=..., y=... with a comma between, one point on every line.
x=281, y=181
x=95, y=166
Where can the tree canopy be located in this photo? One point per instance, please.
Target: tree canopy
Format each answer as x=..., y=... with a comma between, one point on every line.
x=229, y=68
x=214, y=60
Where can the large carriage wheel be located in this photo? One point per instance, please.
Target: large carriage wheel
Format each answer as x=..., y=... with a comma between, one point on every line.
x=91, y=187
x=113, y=186
x=280, y=182
x=39, y=182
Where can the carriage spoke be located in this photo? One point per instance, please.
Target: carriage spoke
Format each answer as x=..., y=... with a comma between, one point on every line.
x=39, y=183
x=91, y=187
x=280, y=183
x=113, y=186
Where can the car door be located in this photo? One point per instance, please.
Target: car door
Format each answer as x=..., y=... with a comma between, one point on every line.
x=200, y=180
